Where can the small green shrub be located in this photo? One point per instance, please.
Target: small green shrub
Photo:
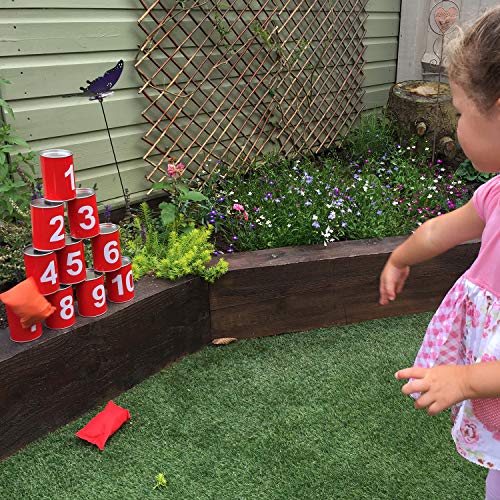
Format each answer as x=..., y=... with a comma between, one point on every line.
x=13, y=238
x=166, y=253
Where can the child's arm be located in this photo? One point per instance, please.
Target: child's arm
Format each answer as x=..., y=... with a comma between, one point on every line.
x=444, y=385
x=432, y=238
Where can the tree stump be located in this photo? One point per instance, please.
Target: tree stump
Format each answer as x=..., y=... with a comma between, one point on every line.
x=418, y=109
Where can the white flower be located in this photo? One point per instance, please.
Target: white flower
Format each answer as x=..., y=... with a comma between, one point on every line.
x=395, y=202
x=288, y=225
x=231, y=193
x=422, y=178
x=250, y=194
x=429, y=195
x=314, y=217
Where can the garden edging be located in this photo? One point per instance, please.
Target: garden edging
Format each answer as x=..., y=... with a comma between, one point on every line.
x=55, y=379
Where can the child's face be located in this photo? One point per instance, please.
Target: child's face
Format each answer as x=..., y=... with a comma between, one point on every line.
x=478, y=132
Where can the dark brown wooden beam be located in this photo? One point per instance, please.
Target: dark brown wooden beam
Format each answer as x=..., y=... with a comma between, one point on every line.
x=299, y=288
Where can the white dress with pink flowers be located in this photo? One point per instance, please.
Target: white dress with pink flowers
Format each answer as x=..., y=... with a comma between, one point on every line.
x=466, y=329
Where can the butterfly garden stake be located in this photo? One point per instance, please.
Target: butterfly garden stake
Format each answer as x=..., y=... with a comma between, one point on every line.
x=443, y=19
x=97, y=90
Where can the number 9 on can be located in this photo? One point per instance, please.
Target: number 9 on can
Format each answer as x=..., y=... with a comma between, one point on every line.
x=64, y=315
x=91, y=295
x=106, y=249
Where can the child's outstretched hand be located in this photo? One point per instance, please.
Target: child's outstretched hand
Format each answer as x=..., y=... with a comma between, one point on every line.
x=441, y=386
x=392, y=281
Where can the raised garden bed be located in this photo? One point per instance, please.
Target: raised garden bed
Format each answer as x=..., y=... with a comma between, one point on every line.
x=49, y=382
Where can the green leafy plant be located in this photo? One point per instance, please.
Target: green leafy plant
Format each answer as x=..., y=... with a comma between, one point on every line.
x=467, y=172
x=164, y=252
x=13, y=238
x=185, y=206
x=17, y=172
x=374, y=133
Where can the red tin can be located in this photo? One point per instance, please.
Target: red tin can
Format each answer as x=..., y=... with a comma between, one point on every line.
x=71, y=262
x=120, y=283
x=42, y=266
x=58, y=174
x=64, y=315
x=106, y=248
x=47, y=225
x=17, y=332
x=91, y=295
x=82, y=214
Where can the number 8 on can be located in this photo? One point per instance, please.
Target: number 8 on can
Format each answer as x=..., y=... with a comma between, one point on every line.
x=106, y=249
x=64, y=315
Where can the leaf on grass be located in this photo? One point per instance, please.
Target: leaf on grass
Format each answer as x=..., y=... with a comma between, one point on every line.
x=223, y=341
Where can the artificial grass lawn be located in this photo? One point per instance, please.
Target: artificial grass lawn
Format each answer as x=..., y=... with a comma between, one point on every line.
x=317, y=415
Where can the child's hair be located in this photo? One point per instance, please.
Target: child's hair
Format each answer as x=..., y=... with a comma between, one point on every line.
x=473, y=60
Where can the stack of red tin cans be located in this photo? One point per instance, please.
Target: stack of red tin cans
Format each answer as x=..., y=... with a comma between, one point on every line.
x=56, y=260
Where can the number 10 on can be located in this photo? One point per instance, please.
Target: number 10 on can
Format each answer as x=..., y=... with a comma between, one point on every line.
x=106, y=249
x=120, y=283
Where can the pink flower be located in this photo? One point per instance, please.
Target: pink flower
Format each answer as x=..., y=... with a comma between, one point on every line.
x=488, y=357
x=245, y=215
x=469, y=432
x=175, y=170
x=238, y=207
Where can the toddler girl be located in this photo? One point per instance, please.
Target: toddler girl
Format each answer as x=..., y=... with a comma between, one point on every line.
x=458, y=364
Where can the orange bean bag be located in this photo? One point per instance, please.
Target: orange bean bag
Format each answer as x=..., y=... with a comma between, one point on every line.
x=27, y=303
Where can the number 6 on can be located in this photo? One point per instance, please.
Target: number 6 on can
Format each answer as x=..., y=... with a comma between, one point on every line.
x=106, y=249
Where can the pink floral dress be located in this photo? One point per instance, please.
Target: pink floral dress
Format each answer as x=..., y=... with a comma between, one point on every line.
x=466, y=329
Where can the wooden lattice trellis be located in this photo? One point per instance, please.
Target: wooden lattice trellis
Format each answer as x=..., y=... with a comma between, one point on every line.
x=227, y=81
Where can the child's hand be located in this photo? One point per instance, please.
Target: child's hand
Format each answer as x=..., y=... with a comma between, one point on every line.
x=392, y=281
x=441, y=386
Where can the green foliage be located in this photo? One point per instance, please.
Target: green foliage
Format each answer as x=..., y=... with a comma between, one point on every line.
x=467, y=172
x=166, y=253
x=185, y=208
x=310, y=201
x=374, y=133
x=13, y=238
x=17, y=181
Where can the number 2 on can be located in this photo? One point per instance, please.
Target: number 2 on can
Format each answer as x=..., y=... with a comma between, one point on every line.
x=58, y=234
